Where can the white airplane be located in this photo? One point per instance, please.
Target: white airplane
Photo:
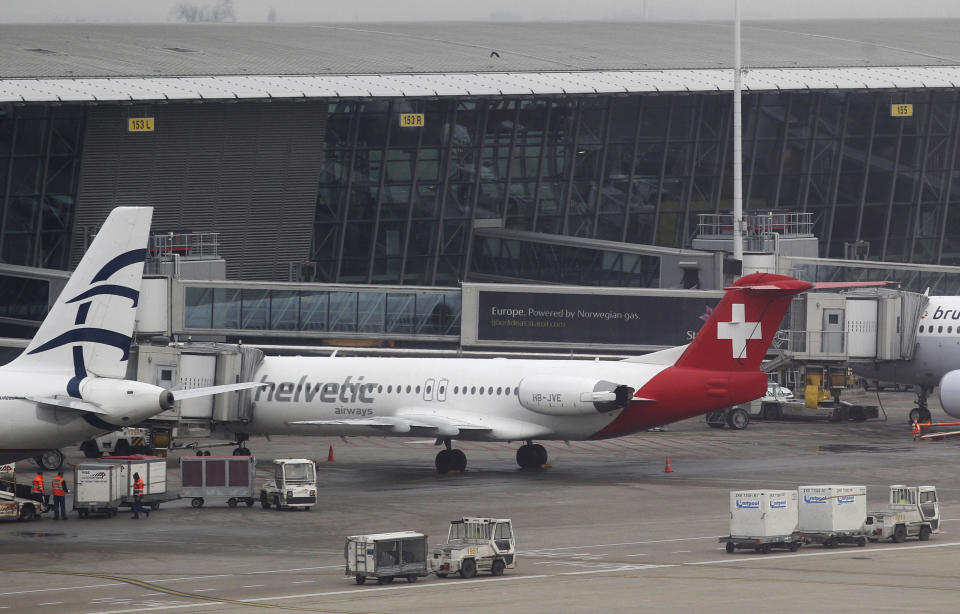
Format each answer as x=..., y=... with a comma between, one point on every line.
x=68, y=384
x=525, y=400
x=935, y=362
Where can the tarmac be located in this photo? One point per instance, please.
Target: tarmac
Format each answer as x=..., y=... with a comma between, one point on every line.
x=604, y=529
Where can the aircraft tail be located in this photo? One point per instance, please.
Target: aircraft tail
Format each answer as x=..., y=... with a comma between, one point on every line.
x=89, y=328
x=738, y=333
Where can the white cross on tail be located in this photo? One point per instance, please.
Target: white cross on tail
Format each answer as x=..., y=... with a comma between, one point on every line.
x=739, y=331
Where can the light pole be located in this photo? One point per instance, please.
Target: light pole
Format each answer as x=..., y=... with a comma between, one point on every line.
x=737, y=142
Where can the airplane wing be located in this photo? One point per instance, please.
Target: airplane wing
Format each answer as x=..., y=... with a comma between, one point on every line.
x=401, y=424
x=69, y=403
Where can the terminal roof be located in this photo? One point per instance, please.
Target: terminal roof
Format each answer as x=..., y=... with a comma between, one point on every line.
x=144, y=63
x=174, y=50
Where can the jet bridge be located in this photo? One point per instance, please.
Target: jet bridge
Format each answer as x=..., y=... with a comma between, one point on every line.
x=863, y=324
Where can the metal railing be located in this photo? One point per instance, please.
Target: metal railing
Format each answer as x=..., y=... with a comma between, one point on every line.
x=194, y=245
x=784, y=223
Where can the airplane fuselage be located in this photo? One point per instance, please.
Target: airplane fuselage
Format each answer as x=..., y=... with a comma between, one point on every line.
x=30, y=429
x=480, y=392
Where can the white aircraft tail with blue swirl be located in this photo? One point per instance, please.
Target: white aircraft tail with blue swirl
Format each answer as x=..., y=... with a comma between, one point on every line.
x=89, y=328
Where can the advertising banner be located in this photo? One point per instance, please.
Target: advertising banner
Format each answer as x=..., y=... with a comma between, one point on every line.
x=573, y=319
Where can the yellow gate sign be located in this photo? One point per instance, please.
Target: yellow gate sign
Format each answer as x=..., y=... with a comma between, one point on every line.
x=901, y=110
x=411, y=120
x=140, y=124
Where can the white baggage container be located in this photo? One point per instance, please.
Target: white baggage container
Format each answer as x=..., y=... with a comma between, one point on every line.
x=152, y=470
x=97, y=488
x=832, y=508
x=763, y=513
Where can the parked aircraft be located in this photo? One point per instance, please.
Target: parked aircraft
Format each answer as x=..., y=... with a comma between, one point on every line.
x=935, y=362
x=68, y=384
x=525, y=400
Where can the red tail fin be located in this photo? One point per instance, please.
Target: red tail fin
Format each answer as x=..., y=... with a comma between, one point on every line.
x=739, y=331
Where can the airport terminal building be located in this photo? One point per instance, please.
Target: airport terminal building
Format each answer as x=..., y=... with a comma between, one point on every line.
x=415, y=157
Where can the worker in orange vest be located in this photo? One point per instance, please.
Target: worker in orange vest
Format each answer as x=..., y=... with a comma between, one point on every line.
x=138, y=497
x=59, y=497
x=38, y=492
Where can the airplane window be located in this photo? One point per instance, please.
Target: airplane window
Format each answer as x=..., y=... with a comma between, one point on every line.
x=442, y=390
x=490, y=390
x=481, y=389
x=390, y=388
x=429, y=389
x=418, y=389
x=921, y=329
x=939, y=329
x=473, y=390
x=949, y=329
x=379, y=389
x=499, y=390
x=456, y=390
x=408, y=389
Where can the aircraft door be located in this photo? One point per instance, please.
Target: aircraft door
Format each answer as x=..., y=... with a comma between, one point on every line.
x=442, y=390
x=832, y=340
x=503, y=538
x=428, y=389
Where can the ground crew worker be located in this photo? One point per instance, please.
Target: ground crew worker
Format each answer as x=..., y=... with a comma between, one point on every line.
x=138, y=497
x=59, y=497
x=38, y=492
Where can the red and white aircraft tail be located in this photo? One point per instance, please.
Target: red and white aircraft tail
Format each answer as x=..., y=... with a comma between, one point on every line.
x=738, y=333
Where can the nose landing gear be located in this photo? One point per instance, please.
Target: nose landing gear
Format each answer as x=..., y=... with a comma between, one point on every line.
x=920, y=413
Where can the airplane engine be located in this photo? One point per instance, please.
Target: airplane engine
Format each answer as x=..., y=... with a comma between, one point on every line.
x=572, y=396
x=950, y=393
x=127, y=401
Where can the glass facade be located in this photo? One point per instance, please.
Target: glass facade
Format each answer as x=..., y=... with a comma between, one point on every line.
x=543, y=262
x=396, y=204
x=40, y=149
x=349, y=312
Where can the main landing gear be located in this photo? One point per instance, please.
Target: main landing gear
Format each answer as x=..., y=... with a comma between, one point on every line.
x=531, y=455
x=449, y=459
x=920, y=413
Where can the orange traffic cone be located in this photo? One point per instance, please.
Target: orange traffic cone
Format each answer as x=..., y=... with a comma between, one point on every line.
x=330, y=454
x=668, y=468
x=916, y=429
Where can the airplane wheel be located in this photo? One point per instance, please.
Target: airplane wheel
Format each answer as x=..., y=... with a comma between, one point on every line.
x=238, y=452
x=443, y=461
x=527, y=457
x=924, y=415
x=458, y=460
x=51, y=460
x=541, y=454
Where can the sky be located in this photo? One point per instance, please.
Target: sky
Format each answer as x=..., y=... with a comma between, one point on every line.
x=152, y=11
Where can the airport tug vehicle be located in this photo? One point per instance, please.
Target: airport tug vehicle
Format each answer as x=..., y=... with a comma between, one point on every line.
x=385, y=556
x=475, y=544
x=912, y=511
x=294, y=485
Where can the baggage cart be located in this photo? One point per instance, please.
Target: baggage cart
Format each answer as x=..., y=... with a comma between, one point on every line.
x=228, y=477
x=385, y=556
x=832, y=539
x=762, y=520
x=97, y=489
x=153, y=472
x=832, y=514
x=763, y=545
